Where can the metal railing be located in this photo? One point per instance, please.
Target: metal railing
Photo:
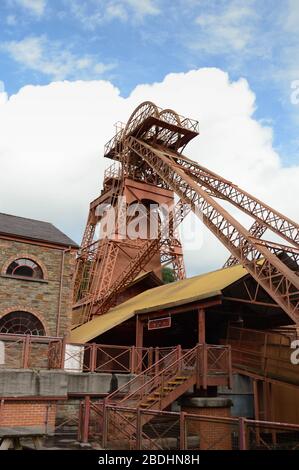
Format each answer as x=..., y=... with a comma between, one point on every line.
x=45, y=352
x=180, y=430
x=163, y=382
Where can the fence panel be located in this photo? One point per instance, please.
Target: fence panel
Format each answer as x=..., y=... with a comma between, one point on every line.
x=159, y=430
x=271, y=436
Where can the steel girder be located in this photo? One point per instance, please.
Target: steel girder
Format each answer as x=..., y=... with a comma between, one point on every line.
x=224, y=189
x=281, y=283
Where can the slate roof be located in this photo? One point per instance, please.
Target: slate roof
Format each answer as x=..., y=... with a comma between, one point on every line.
x=33, y=230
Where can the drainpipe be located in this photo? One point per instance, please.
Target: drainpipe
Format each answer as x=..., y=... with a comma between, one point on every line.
x=60, y=290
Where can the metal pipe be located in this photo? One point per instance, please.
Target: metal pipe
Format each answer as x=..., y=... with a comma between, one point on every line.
x=60, y=290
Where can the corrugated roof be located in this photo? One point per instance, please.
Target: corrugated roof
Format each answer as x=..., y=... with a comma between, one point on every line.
x=33, y=230
x=177, y=293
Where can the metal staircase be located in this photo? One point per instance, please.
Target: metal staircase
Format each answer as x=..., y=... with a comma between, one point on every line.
x=160, y=385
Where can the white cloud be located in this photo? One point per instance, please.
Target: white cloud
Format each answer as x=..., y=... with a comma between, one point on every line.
x=292, y=16
x=51, y=59
x=37, y=7
x=226, y=28
x=143, y=7
x=93, y=13
x=52, y=138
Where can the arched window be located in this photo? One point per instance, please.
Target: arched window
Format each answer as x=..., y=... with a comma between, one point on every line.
x=21, y=323
x=25, y=267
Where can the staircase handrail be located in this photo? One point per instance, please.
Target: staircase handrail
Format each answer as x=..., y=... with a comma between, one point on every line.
x=145, y=373
x=189, y=353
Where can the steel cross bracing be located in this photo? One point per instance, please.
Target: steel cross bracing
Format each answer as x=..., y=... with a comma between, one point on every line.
x=252, y=206
x=281, y=283
x=146, y=253
x=257, y=230
x=149, y=149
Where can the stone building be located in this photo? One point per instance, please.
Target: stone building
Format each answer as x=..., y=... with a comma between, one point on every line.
x=36, y=275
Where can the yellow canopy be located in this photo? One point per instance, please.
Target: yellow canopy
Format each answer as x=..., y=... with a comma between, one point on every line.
x=176, y=293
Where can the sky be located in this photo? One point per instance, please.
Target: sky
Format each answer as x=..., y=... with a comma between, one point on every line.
x=70, y=69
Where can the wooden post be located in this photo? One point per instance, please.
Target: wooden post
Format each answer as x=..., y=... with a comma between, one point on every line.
x=201, y=326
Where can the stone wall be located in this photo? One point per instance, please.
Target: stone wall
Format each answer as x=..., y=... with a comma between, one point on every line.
x=39, y=297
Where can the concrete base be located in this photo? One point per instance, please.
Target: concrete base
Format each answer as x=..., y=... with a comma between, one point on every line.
x=55, y=383
x=206, y=402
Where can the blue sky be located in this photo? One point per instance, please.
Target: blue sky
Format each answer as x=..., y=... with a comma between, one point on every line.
x=71, y=68
x=139, y=41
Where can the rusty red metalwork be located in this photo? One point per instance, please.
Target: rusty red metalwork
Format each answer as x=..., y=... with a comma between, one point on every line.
x=45, y=352
x=148, y=149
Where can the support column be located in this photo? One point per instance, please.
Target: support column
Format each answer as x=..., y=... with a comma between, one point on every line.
x=139, y=345
x=256, y=409
x=201, y=326
x=139, y=333
x=256, y=400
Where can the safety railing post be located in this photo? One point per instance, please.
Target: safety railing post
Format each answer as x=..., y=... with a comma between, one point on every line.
x=80, y=425
x=62, y=354
x=242, y=434
x=264, y=363
x=132, y=359
x=105, y=424
x=93, y=357
x=230, y=367
x=179, y=356
x=205, y=367
x=199, y=358
x=138, y=430
x=26, y=352
x=182, y=431
x=156, y=360
x=85, y=430
x=150, y=357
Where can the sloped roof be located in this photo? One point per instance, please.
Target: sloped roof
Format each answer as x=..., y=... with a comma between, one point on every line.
x=177, y=293
x=33, y=230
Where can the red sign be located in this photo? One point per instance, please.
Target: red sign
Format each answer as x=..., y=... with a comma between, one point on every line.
x=158, y=323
